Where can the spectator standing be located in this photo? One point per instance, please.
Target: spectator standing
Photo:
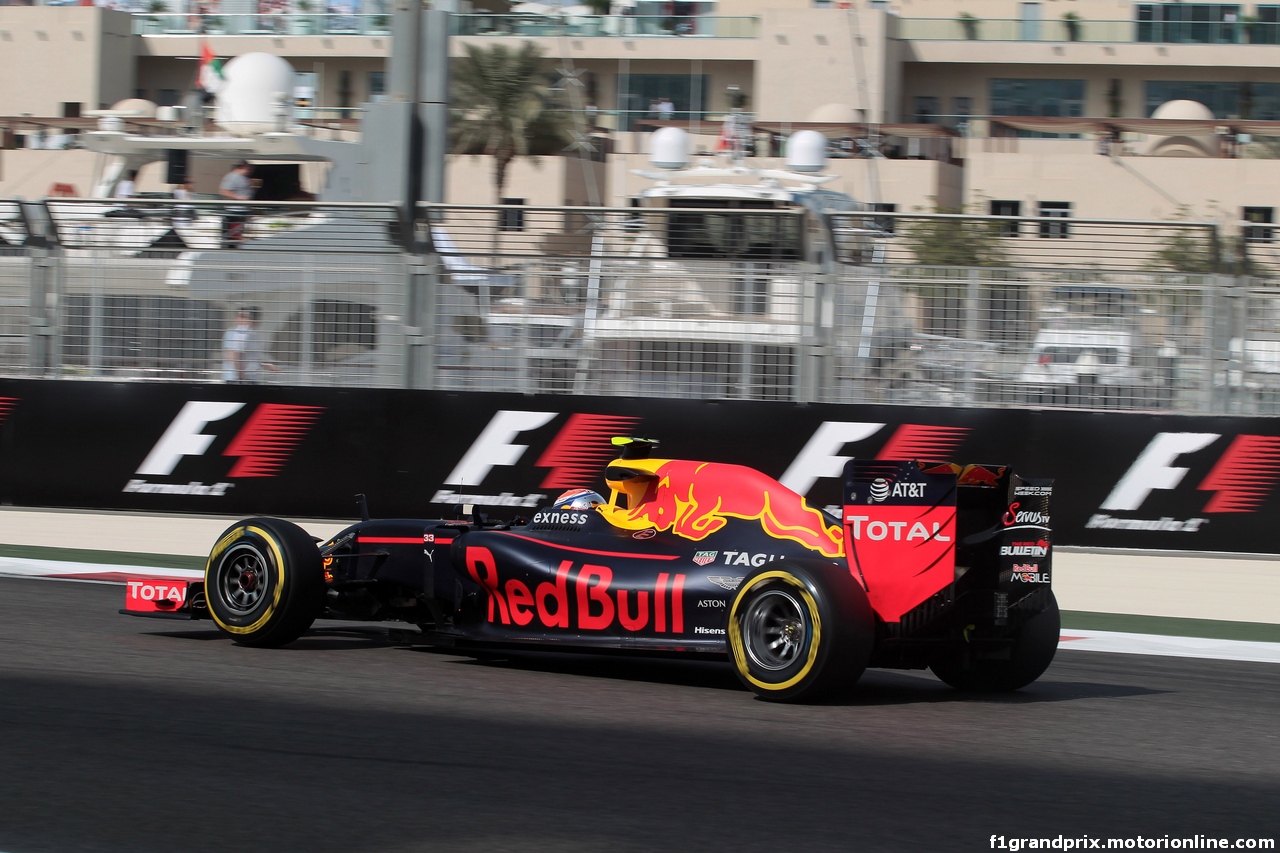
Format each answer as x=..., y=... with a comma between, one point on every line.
x=127, y=187
x=243, y=357
x=184, y=191
x=235, y=186
x=666, y=109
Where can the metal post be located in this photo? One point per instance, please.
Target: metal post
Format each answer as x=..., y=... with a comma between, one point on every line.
x=970, y=333
x=433, y=108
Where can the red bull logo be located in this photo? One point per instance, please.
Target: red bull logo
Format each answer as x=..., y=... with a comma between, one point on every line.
x=696, y=499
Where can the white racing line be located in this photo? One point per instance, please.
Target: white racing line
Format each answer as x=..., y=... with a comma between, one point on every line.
x=1072, y=639
x=95, y=572
x=1177, y=647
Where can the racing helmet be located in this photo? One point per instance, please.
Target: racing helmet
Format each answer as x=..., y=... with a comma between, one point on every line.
x=578, y=499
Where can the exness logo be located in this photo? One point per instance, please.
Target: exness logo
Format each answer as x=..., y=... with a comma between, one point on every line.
x=1241, y=479
x=261, y=447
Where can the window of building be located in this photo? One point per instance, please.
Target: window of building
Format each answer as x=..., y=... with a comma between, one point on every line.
x=1056, y=209
x=1259, y=214
x=71, y=109
x=1007, y=208
x=1265, y=30
x=513, y=219
x=1198, y=23
x=1231, y=99
x=1223, y=99
x=883, y=223
x=961, y=109
x=926, y=110
x=1037, y=97
x=377, y=86
x=686, y=92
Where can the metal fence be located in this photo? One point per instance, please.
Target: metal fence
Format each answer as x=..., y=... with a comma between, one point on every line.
x=688, y=302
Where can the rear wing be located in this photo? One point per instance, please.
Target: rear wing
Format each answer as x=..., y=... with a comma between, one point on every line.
x=912, y=529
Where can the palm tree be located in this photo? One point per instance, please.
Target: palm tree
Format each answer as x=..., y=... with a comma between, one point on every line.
x=502, y=107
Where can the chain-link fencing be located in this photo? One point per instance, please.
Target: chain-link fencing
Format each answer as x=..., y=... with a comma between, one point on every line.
x=694, y=302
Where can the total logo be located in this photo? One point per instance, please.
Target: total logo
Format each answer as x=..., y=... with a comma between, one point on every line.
x=879, y=530
x=261, y=446
x=145, y=591
x=1239, y=481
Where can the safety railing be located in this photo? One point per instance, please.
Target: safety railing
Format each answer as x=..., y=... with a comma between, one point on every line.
x=476, y=24
x=1073, y=29
x=696, y=303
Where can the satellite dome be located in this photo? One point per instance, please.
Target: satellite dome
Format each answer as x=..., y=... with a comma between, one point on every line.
x=140, y=107
x=256, y=95
x=1183, y=109
x=1183, y=142
x=669, y=148
x=806, y=151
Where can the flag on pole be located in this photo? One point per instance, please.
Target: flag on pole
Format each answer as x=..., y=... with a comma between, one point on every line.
x=210, y=77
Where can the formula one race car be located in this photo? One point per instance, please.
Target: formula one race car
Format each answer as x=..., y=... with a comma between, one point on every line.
x=932, y=565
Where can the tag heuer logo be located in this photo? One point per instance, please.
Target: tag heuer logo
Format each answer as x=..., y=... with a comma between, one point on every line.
x=704, y=557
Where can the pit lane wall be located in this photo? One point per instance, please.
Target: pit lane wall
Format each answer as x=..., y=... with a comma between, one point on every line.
x=1141, y=481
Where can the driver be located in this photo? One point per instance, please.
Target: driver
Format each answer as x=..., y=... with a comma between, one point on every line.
x=578, y=499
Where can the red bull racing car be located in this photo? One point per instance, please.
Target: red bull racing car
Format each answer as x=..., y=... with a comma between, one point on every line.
x=930, y=565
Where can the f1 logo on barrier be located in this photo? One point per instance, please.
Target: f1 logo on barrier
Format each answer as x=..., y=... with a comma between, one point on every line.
x=262, y=446
x=1240, y=480
x=575, y=456
x=581, y=449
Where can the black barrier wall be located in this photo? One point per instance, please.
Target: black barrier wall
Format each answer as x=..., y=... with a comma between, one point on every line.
x=1123, y=480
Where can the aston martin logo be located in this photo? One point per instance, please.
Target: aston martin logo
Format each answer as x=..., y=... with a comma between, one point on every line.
x=725, y=582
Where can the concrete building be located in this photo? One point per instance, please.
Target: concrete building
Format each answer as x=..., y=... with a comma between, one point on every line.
x=997, y=106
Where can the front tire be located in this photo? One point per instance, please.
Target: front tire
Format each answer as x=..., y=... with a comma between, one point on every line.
x=800, y=630
x=264, y=582
x=1033, y=649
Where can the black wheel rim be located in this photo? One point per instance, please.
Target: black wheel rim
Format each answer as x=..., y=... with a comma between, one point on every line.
x=241, y=579
x=773, y=630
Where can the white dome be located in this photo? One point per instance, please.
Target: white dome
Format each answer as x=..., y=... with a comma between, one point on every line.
x=806, y=151
x=669, y=148
x=140, y=107
x=834, y=114
x=258, y=88
x=1183, y=110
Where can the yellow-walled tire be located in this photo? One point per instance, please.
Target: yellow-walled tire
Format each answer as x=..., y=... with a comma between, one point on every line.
x=264, y=582
x=800, y=630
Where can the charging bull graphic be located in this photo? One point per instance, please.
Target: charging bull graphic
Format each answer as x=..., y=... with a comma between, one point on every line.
x=695, y=499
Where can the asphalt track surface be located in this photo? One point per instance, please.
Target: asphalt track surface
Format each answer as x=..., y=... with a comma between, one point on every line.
x=121, y=734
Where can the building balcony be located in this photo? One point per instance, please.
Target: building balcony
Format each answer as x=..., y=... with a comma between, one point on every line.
x=1079, y=30
x=525, y=26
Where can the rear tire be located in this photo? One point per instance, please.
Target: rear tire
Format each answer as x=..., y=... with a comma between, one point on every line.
x=800, y=630
x=264, y=582
x=1033, y=649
